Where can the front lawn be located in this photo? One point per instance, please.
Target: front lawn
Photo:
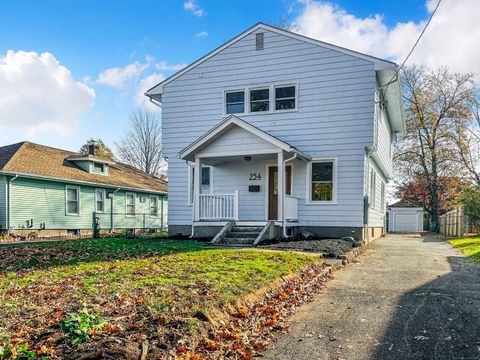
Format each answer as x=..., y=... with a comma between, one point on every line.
x=470, y=246
x=159, y=291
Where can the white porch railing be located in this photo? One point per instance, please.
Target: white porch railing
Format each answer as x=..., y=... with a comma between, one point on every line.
x=291, y=208
x=218, y=206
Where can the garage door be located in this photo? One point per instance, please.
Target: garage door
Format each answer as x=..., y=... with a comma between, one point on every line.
x=406, y=222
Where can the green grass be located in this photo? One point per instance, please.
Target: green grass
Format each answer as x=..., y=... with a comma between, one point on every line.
x=134, y=280
x=470, y=246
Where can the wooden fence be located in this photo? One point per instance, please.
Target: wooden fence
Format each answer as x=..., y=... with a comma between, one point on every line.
x=456, y=223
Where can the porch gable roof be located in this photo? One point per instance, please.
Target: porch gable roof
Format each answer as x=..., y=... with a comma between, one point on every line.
x=188, y=153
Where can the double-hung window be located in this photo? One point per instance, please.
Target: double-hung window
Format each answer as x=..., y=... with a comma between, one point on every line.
x=100, y=200
x=72, y=200
x=285, y=97
x=382, y=196
x=235, y=102
x=259, y=100
x=98, y=168
x=322, y=181
x=153, y=206
x=130, y=204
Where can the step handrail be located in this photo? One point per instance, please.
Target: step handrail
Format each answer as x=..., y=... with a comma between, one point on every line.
x=221, y=234
x=267, y=233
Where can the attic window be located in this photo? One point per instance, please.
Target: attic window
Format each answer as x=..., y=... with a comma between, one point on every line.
x=98, y=167
x=259, y=41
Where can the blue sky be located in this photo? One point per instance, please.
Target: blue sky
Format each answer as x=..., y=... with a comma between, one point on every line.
x=89, y=37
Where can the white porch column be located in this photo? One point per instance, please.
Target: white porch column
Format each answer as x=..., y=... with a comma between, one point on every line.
x=197, y=178
x=280, y=185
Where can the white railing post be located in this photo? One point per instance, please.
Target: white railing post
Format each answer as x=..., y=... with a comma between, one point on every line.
x=235, y=206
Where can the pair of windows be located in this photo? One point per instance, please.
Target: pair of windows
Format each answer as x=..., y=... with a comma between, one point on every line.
x=322, y=181
x=130, y=205
x=260, y=100
x=72, y=200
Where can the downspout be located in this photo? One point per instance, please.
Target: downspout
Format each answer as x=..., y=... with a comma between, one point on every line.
x=284, y=182
x=9, y=213
x=112, y=228
x=194, y=198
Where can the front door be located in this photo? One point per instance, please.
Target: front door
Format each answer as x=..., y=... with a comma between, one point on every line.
x=273, y=189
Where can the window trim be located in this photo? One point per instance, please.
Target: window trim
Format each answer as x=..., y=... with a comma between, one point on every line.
x=150, y=207
x=96, y=171
x=268, y=99
x=134, y=204
x=271, y=99
x=246, y=101
x=308, y=199
x=66, y=200
x=104, y=200
x=191, y=166
x=275, y=99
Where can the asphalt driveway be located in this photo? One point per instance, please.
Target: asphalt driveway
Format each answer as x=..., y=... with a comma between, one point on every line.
x=408, y=297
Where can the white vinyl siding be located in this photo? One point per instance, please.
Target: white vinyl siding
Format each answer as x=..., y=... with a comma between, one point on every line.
x=334, y=117
x=72, y=200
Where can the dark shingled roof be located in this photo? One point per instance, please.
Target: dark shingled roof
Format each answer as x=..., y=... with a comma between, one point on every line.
x=34, y=159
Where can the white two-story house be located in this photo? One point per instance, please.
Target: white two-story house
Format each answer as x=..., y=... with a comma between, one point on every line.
x=276, y=128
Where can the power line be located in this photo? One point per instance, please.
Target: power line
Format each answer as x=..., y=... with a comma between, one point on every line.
x=413, y=48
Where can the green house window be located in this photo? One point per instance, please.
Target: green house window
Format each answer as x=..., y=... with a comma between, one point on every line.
x=130, y=204
x=153, y=206
x=100, y=200
x=72, y=200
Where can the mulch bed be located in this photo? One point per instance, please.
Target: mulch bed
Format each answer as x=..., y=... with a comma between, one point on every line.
x=329, y=247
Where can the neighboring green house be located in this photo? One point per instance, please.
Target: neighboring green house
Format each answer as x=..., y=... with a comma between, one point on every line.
x=54, y=192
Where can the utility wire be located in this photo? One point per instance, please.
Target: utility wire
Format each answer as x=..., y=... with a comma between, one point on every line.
x=413, y=48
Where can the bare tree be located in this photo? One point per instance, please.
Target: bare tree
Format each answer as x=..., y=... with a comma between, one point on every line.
x=141, y=145
x=468, y=140
x=437, y=110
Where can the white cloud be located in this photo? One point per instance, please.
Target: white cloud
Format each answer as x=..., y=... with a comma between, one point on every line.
x=163, y=66
x=146, y=83
x=117, y=77
x=201, y=35
x=37, y=94
x=194, y=8
x=451, y=39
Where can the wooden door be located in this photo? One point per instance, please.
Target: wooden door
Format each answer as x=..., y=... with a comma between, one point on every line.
x=273, y=189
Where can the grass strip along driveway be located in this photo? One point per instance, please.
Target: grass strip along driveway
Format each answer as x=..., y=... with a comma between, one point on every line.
x=470, y=246
x=58, y=299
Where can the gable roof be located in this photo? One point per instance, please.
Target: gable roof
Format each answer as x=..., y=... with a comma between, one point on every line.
x=406, y=204
x=379, y=63
x=225, y=125
x=38, y=161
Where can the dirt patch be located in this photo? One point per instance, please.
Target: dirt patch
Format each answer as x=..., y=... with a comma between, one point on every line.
x=329, y=247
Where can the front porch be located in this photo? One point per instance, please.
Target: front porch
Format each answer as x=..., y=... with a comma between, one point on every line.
x=250, y=177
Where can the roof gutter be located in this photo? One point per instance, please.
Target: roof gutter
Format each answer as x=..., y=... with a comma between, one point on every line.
x=50, y=178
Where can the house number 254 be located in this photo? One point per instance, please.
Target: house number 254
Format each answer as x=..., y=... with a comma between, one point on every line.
x=255, y=176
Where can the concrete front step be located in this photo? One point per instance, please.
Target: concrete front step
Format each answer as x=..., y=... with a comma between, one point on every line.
x=247, y=229
x=238, y=240
x=242, y=234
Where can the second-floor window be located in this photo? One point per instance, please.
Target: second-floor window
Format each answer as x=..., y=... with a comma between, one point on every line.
x=264, y=99
x=285, y=97
x=259, y=100
x=235, y=102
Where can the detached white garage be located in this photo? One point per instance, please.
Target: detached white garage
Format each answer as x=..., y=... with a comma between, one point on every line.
x=405, y=219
